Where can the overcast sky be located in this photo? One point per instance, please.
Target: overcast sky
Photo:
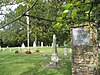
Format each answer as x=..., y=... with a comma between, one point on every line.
x=4, y=10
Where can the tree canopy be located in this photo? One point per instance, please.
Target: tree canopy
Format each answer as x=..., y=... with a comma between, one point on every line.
x=46, y=17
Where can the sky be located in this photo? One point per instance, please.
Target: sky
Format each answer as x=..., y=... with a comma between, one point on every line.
x=4, y=10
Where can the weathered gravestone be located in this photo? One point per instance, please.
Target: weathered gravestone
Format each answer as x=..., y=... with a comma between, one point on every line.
x=23, y=46
x=7, y=47
x=0, y=47
x=57, y=45
x=70, y=50
x=84, y=51
x=34, y=44
x=54, y=57
x=51, y=45
x=47, y=46
x=65, y=49
x=41, y=44
x=3, y=49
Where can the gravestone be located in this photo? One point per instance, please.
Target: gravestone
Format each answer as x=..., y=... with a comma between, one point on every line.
x=7, y=47
x=0, y=48
x=51, y=45
x=23, y=46
x=99, y=44
x=34, y=44
x=70, y=50
x=84, y=51
x=47, y=46
x=41, y=44
x=3, y=49
x=65, y=50
x=54, y=57
x=57, y=45
x=99, y=50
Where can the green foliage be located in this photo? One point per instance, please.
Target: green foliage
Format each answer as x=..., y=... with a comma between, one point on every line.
x=46, y=19
x=67, y=6
x=39, y=24
x=65, y=13
x=74, y=14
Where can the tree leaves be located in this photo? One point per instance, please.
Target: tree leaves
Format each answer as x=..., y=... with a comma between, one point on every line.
x=67, y=6
x=58, y=25
x=59, y=19
x=74, y=14
x=65, y=13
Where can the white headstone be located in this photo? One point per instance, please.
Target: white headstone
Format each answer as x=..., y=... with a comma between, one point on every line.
x=7, y=47
x=99, y=50
x=57, y=45
x=99, y=43
x=65, y=51
x=52, y=45
x=70, y=58
x=3, y=49
x=47, y=46
x=41, y=44
x=23, y=46
x=0, y=47
x=34, y=44
x=70, y=50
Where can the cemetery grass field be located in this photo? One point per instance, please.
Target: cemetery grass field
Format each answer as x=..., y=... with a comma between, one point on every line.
x=33, y=64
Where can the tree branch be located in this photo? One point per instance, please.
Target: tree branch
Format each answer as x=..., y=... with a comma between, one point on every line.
x=23, y=22
x=35, y=17
x=90, y=11
x=19, y=16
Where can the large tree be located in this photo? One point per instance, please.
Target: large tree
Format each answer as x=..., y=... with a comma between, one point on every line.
x=76, y=12
x=42, y=15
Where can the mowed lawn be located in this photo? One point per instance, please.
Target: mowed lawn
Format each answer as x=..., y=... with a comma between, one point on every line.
x=33, y=64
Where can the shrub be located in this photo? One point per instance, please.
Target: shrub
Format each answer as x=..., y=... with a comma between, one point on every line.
x=28, y=52
x=37, y=51
x=16, y=51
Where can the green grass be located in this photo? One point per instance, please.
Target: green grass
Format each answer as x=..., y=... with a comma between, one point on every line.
x=32, y=64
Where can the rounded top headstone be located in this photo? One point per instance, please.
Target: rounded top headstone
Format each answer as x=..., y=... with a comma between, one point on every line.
x=54, y=36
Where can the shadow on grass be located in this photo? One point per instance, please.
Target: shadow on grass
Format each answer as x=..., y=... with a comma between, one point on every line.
x=42, y=69
x=30, y=71
x=38, y=71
